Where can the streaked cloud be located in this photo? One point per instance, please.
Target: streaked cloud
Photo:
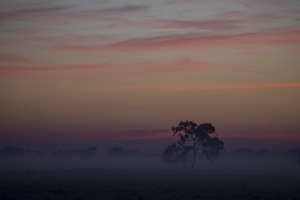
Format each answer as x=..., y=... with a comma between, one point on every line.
x=261, y=38
x=68, y=12
x=54, y=68
x=199, y=24
x=184, y=1
x=260, y=2
x=122, y=9
x=119, y=71
x=8, y=58
x=176, y=88
x=194, y=40
x=36, y=11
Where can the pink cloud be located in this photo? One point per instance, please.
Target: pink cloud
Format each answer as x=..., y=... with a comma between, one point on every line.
x=13, y=58
x=202, y=41
x=52, y=68
x=257, y=3
x=122, y=9
x=20, y=13
x=262, y=38
x=219, y=24
x=184, y=1
x=244, y=18
x=67, y=13
x=232, y=14
x=277, y=136
x=207, y=87
x=155, y=43
x=35, y=138
x=117, y=71
x=86, y=72
x=176, y=66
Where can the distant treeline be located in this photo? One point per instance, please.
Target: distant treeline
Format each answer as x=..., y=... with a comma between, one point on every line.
x=117, y=151
x=87, y=152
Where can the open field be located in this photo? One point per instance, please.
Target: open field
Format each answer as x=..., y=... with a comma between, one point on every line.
x=148, y=184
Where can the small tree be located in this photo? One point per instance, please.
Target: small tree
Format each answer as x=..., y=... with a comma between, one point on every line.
x=193, y=138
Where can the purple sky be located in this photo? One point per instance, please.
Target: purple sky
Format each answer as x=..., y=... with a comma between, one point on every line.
x=99, y=70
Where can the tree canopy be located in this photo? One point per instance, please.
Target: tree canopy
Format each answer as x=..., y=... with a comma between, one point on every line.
x=192, y=139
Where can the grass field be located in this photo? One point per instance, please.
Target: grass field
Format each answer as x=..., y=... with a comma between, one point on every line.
x=149, y=184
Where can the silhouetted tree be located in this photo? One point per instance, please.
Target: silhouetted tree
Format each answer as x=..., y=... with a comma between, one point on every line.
x=176, y=154
x=193, y=138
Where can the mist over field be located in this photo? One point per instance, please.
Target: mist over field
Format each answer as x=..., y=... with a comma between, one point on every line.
x=13, y=158
x=119, y=173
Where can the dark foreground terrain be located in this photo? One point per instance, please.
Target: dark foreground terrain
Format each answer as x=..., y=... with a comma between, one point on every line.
x=149, y=184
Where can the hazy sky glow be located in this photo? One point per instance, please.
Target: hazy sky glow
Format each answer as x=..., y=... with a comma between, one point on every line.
x=131, y=69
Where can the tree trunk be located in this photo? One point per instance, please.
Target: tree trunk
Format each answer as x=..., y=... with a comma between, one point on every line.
x=194, y=159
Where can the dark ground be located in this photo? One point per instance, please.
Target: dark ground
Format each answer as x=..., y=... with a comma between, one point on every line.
x=149, y=184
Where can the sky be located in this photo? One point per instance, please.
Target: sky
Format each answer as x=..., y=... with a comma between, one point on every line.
x=104, y=70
